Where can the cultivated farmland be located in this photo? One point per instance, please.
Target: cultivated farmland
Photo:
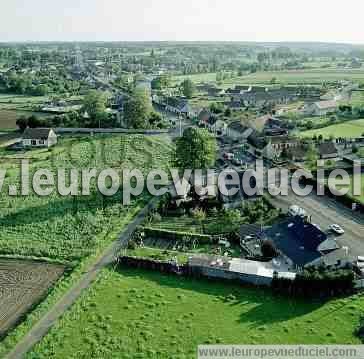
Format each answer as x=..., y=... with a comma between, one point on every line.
x=134, y=313
x=22, y=285
x=8, y=120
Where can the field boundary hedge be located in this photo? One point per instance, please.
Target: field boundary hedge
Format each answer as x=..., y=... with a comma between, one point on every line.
x=175, y=235
x=150, y=264
x=324, y=285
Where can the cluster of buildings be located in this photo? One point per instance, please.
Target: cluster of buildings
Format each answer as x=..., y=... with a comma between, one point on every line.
x=298, y=244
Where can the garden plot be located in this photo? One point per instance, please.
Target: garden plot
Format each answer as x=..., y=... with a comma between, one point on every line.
x=22, y=285
x=160, y=243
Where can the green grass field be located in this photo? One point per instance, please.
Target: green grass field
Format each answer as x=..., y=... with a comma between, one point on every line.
x=196, y=78
x=349, y=129
x=137, y=314
x=357, y=99
x=71, y=228
x=309, y=77
x=293, y=77
x=14, y=106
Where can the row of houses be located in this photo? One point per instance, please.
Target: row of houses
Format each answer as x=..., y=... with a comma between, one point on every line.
x=267, y=135
x=177, y=105
x=257, y=96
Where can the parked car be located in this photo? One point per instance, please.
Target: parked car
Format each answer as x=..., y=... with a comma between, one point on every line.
x=296, y=211
x=336, y=228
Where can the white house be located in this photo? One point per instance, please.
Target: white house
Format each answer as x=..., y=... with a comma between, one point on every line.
x=320, y=108
x=39, y=137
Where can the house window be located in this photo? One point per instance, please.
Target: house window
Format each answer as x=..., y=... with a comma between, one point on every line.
x=33, y=142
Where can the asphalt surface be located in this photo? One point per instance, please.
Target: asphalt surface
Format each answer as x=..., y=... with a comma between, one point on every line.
x=326, y=211
x=41, y=328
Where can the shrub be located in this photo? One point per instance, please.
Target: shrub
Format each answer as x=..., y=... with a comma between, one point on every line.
x=360, y=330
x=198, y=214
x=156, y=217
x=317, y=283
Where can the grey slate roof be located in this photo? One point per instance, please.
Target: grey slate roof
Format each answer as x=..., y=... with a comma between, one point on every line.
x=36, y=133
x=327, y=148
x=300, y=241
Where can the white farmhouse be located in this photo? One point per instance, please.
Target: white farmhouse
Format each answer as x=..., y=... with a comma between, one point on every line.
x=320, y=108
x=39, y=137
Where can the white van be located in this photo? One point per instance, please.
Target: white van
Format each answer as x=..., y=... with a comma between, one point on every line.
x=296, y=211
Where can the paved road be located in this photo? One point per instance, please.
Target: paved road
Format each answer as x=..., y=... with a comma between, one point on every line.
x=326, y=211
x=41, y=328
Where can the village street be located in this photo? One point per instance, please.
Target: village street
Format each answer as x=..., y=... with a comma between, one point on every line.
x=326, y=211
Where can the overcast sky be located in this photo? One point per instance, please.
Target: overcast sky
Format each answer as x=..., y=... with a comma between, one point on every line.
x=141, y=20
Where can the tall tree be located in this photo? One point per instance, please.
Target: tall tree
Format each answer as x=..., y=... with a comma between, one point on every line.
x=138, y=108
x=161, y=82
x=311, y=157
x=196, y=149
x=188, y=88
x=94, y=104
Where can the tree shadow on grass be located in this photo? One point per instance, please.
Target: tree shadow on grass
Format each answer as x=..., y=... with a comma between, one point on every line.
x=259, y=306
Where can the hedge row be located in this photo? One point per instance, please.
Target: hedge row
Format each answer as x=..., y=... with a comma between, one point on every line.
x=163, y=267
x=149, y=264
x=176, y=236
x=316, y=285
x=307, y=285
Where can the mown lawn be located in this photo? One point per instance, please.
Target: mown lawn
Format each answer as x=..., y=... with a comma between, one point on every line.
x=349, y=129
x=138, y=314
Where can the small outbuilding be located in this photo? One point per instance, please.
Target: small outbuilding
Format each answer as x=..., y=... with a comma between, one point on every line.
x=39, y=137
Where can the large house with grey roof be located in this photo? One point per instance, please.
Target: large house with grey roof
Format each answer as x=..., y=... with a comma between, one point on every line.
x=305, y=245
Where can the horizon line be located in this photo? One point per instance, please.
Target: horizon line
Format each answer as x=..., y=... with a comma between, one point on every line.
x=185, y=41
